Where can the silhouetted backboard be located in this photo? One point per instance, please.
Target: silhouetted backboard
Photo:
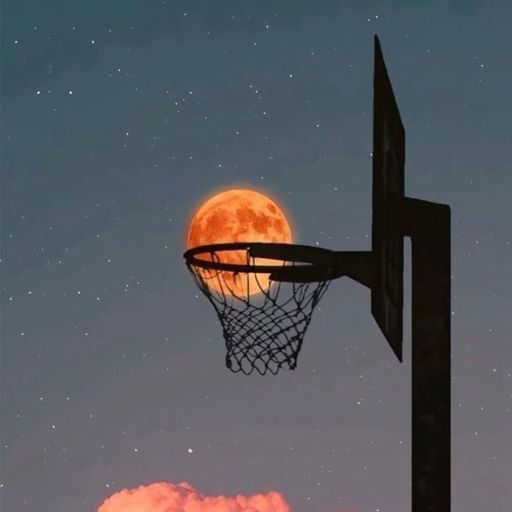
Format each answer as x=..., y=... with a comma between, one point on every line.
x=388, y=184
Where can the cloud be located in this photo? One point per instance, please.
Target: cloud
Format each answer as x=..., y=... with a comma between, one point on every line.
x=182, y=497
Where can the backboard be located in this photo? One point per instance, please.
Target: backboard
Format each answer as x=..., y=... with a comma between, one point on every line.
x=388, y=185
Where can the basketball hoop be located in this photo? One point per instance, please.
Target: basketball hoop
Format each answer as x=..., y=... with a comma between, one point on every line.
x=265, y=303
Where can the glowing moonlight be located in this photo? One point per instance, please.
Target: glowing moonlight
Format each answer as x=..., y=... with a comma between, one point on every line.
x=238, y=215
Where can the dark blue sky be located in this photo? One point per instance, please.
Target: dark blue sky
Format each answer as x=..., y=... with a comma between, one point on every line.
x=118, y=118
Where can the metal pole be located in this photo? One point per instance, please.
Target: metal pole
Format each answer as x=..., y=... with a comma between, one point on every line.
x=428, y=225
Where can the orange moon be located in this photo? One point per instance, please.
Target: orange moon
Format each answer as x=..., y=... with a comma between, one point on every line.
x=238, y=215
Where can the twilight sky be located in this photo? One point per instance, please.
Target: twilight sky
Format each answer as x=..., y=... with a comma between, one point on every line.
x=118, y=118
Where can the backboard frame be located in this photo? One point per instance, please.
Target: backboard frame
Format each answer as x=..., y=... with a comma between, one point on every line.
x=387, y=190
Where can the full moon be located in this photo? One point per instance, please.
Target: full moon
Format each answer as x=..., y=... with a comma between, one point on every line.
x=238, y=215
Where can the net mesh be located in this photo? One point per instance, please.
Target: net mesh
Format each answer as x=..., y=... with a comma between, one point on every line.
x=263, y=322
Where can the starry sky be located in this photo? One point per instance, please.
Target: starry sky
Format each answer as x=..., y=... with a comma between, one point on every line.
x=118, y=119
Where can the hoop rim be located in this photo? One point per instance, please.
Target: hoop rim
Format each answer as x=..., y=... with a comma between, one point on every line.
x=317, y=258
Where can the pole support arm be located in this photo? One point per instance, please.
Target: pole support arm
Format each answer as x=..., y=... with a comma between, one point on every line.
x=418, y=218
